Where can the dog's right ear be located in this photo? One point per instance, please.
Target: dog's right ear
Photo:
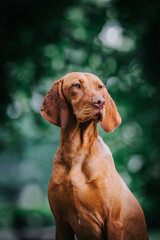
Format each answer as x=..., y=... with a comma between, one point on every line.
x=54, y=107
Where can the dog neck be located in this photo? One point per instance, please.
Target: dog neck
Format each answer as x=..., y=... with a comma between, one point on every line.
x=79, y=134
x=77, y=140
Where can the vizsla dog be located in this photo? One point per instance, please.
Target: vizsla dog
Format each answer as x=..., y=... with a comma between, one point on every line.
x=87, y=196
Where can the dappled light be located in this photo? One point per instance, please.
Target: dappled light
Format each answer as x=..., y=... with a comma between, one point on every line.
x=41, y=42
x=111, y=35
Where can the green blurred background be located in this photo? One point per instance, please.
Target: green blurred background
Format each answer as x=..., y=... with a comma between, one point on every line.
x=118, y=40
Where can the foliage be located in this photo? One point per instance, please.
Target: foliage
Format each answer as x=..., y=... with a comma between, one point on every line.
x=43, y=40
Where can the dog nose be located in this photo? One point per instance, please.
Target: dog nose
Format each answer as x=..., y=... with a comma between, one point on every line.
x=99, y=102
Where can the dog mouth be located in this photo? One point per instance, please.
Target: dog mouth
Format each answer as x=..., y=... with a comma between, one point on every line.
x=98, y=116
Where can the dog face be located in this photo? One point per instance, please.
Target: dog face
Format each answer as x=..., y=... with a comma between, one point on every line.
x=85, y=93
x=86, y=96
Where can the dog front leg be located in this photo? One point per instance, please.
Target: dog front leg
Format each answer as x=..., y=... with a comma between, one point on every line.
x=114, y=230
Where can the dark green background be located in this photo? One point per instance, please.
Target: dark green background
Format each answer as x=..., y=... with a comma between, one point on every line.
x=40, y=41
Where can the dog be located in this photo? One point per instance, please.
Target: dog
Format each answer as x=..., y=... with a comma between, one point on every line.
x=87, y=196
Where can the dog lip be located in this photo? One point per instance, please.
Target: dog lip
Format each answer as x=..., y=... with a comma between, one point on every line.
x=97, y=114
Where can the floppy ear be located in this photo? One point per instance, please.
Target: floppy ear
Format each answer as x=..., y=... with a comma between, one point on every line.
x=54, y=108
x=112, y=118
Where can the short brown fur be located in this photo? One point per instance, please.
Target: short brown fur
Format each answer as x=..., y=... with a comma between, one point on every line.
x=86, y=194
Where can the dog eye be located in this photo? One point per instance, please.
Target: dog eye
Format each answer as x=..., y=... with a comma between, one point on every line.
x=100, y=86
x=77, y=85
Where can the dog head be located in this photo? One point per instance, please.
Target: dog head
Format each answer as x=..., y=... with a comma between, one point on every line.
x=85, y=96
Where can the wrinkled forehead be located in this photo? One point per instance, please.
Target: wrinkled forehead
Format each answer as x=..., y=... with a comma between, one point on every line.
x=84, y=78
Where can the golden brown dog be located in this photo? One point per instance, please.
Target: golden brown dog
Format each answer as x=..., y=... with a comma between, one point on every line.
x=87, y=196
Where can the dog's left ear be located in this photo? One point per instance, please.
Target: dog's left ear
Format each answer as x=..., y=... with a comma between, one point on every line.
x=112, y=118
x=54, y=107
